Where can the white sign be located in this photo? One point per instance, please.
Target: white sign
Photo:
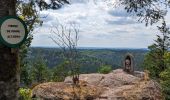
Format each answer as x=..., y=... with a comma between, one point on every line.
x=13, y=32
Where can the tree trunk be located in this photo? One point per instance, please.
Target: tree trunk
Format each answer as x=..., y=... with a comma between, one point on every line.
x=9, y=62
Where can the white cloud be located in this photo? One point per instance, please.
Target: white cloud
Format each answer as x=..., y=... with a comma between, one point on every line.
x=100, y=25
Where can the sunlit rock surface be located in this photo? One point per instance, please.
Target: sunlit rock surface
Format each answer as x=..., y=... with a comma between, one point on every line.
x=117, y=85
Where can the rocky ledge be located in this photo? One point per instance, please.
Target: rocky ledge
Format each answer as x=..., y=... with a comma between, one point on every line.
x=117, y=85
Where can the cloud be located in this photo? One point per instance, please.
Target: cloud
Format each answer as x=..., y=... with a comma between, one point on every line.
x=121, y=21
x=100, y=25
x=118, y=13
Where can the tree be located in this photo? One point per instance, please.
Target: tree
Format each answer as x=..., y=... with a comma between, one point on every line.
x=67, y=40
x=148, y=11
x=39, y=70
x=165, y=77
x=60, y=72
x=30, y=14
x=154, y=60
x=9, y=69
x=25, y=77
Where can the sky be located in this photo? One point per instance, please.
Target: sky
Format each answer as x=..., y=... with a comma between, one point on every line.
x=101, y=24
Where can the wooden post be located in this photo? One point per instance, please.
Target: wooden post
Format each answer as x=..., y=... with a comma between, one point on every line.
x=9, y=60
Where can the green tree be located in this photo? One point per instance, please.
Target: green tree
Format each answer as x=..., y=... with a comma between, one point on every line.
x=25, y=77
x=148, y=11
x=28, y=11
x=60, y=72
x=165, y=77
x=40, y=72
x=154, y=60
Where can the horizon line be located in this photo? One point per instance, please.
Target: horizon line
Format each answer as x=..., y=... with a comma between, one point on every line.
x=92, y=47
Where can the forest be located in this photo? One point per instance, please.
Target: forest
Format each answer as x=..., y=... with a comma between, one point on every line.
x=90, y=59
x=49, y=61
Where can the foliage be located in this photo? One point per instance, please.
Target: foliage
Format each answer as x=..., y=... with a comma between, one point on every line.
x=105, y=69
x=89, y=59
x=148, y=11
x=25, y=94
x=26, y=75
x=40, y=70
x=154, y=60
x=157, y=61
x=165, y=77
x=167, y=58
x=35, y=72
x=165, y=82
x=60, y=72
x=29, y=12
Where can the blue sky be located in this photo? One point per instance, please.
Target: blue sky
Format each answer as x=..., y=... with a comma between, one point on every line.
x=101, y=25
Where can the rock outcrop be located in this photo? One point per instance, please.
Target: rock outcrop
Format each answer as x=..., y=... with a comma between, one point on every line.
x=62, y=91
x=117, y=85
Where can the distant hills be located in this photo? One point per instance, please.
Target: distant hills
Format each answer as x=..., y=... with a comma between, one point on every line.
x=118, y=48
x=90, y=58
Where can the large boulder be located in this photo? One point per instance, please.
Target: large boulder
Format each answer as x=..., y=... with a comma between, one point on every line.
x=63, y=91
x=93, y=79
x=114, y=79
x=117, y=85
x=144, y=90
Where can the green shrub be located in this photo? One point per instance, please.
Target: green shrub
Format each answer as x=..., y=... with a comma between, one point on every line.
x=165, y=77
x=25, y=94
x=165, y=82
x=60, y=72
x=105, y=69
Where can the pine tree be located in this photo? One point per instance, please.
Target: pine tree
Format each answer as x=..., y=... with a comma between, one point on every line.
x=154, y=60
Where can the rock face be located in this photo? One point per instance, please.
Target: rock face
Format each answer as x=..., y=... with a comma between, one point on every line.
x=114, y=79
x=63, y=91
x=117, y=85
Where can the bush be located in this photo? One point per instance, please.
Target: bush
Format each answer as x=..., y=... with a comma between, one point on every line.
x=60, y=72
x=165, y=82
x=105, y=69
x=25, y=94
x=165, y=77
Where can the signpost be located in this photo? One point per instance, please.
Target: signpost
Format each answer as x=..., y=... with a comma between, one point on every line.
x=13, y=31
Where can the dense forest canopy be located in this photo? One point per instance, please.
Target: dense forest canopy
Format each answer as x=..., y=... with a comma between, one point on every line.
x=91, y=59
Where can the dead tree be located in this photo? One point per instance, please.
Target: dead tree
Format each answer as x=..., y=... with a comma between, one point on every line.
x=67, y=38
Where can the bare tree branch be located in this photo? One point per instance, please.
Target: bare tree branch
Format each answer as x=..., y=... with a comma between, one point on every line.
x=67, y=40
